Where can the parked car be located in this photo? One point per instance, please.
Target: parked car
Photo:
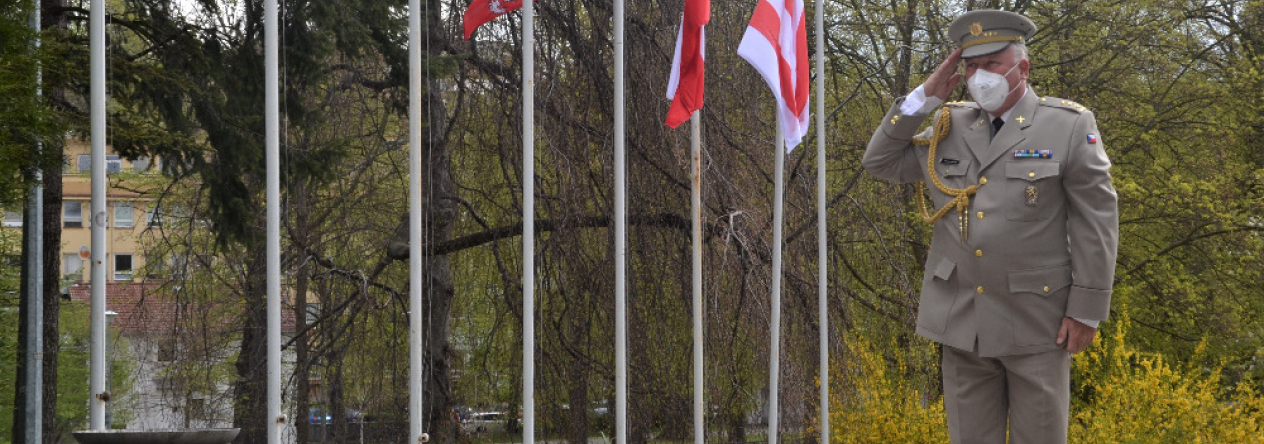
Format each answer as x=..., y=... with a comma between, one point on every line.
x=484, y=422
x=316, y=415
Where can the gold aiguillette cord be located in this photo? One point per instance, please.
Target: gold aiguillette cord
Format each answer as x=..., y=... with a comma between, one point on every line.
x=960, y=196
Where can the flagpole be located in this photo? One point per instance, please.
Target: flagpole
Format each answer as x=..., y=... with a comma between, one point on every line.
x=774, y=367
x=273, y=199
x=33, y=240
x=416, y=421
x=528, y=223
x=620, y=236
x=96, y=383
x=822, y=279
x=695, y=196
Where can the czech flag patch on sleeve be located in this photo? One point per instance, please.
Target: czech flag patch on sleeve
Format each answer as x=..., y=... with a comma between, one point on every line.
x=1092, y=138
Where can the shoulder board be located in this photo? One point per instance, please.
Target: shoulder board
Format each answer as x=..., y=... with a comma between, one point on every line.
x=960, y=104
x=1055, y=102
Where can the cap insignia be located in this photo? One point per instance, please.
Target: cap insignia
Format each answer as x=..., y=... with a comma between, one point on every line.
x=976, y=29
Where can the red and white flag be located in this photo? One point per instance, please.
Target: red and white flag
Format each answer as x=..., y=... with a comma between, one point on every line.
x=776, y=44
x=483, y=11
x=687, y=73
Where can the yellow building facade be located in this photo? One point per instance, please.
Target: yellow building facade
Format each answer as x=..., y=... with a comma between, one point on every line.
x=129, y=214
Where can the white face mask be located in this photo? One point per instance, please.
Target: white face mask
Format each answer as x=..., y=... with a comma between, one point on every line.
x=990, y=89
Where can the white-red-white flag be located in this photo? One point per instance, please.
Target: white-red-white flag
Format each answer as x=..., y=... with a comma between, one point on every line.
x=776, y=44
x=687, y=81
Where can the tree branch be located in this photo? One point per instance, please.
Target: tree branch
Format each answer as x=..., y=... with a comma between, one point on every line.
x=665, y=220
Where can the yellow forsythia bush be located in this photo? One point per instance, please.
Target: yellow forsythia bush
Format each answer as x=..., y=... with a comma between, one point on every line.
x=1122, y=397
x=1139, y=398
x=881, y=407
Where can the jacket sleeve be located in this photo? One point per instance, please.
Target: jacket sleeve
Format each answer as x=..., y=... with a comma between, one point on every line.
x=890, y=154
x=1092, y=221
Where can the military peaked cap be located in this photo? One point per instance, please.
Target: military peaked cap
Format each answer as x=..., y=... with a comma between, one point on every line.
x=982, y=32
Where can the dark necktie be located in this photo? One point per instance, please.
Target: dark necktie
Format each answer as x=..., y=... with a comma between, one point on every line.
x=996, y=125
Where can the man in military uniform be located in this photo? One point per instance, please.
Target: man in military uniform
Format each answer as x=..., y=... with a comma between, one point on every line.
x=1022, y=259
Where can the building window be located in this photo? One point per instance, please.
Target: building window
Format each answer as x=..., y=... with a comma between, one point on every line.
x=72, y=215
x=122, y=267
x=72, y=266
x=140, y=164
x=156, y=268
x=12, y=218
x=198, y=410
x=153, y=216
x=204, y=261
x=123, y=215
x=113, y=164
x=167, y=353
x=313, y=313
x=170, y=386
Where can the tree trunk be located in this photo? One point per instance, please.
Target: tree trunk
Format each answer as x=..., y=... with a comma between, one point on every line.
x=51, y=432
x=439, y=202
x=302, y=401
x=577, y=383
x=53, y=198
x=336, y=409
x=19, y=382
x=250, y=400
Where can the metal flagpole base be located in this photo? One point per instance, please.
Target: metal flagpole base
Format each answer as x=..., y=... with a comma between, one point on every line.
x=163, y=436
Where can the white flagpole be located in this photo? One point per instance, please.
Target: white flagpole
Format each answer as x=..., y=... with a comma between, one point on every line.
x=774, y=367
x=96, y=26
x=528, y=222
x=33, y=239
x=416, y=421
x=273, y=165
x=822, y=281
x=620, y=238
x=695, y=196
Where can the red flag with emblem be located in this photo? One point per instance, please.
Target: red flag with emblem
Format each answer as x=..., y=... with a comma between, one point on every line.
x=483, y=11
x=687, y=75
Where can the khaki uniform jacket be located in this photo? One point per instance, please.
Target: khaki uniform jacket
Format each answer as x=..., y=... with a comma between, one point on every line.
x=1042, y=233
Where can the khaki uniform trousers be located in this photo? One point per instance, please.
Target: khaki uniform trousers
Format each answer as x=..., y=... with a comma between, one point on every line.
x=1029, y=393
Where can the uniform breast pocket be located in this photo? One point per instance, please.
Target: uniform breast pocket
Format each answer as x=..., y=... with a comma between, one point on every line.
x=1033, y=189
x=952, y=173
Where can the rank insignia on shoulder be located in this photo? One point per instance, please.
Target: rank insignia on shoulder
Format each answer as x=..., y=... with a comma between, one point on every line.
x=1033, y=154
x=1092, y=138
x=1063, y=103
